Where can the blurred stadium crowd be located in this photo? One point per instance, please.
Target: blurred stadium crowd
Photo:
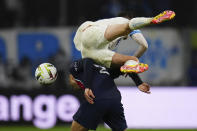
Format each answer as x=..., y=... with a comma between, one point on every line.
x=39, y=13
x=71, y=13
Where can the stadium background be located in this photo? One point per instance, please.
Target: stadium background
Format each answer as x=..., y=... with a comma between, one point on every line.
x=37, y=31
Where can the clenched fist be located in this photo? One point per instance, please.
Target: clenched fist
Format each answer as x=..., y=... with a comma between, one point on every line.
x=144, y=87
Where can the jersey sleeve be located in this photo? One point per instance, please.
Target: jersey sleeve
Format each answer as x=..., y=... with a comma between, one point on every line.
x=82, y=70
x=88, y=74
x=76, y=68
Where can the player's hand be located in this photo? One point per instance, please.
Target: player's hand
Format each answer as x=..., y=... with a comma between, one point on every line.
x=144, y=87
x=89, y=96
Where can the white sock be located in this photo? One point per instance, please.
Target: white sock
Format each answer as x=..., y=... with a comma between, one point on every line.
x=139, y=22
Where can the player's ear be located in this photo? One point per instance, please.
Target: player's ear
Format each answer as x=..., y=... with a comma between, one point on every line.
x=72, y=82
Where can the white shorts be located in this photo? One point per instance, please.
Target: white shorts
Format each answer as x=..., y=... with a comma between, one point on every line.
x=95, y=46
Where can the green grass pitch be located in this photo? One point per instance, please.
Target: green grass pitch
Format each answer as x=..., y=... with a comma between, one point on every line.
x=66, y=128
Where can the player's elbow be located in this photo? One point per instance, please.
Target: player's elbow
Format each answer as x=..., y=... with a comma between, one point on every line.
x=145, y=45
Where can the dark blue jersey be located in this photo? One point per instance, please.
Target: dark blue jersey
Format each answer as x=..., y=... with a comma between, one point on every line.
x=100, y=79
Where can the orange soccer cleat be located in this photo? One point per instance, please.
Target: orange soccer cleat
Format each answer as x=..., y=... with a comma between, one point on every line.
x=138, y=68
x=164, y=16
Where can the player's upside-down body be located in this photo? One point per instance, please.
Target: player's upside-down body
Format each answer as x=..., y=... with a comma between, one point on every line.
x=95, y=39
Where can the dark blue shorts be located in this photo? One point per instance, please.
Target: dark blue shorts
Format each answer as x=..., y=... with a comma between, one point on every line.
x=109, y=111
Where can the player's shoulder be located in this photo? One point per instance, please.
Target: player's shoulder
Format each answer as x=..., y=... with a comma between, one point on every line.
x=78, y=65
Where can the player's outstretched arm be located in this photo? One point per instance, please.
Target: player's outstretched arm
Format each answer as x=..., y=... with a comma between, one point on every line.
x=137, y=36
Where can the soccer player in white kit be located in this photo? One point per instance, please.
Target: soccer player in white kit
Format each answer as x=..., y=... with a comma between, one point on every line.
x=94, y=40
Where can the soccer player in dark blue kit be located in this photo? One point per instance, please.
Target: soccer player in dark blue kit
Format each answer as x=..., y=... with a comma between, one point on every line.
x=103, y=97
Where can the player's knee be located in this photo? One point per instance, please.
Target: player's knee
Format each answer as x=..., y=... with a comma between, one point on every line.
x=77, y=127
x=134, y=58
x=126, y=29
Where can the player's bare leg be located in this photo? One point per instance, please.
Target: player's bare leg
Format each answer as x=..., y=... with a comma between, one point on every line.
x=120, y=61
x=140, y=22
x=114, y=31
x=77, y=127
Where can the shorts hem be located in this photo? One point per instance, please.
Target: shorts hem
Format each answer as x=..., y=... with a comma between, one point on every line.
x=84, y=125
